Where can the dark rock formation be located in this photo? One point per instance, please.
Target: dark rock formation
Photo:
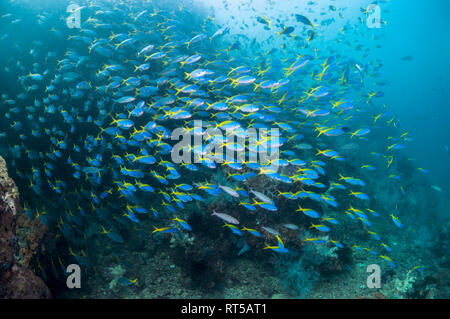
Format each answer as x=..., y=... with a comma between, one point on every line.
x=15, y=280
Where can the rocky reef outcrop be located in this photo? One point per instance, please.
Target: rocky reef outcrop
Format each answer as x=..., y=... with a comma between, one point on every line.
x=16, y=281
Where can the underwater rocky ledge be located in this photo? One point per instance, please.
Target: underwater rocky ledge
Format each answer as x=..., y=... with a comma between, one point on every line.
x=16, y=281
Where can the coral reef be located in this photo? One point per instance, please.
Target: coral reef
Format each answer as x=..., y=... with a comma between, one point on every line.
x=184, y=241
x=16, y=281
x=299, y=271
x=406, y=286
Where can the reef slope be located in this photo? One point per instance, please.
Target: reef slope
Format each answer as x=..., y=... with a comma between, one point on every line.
x=15, y=280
